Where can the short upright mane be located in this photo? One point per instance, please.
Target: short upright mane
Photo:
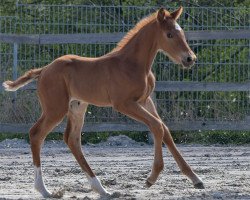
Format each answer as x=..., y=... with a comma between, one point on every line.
x=134, y=31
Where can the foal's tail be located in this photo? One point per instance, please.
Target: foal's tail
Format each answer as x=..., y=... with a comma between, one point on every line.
x=22, y=80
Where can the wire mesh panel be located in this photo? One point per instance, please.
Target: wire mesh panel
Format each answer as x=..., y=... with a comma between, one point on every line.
x=59, y=19
x=7, y=24
x=219, y=61
x=6, y=61
x=205, y=106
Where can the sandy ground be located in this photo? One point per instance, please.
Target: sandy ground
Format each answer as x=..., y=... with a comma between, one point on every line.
x=123, y=168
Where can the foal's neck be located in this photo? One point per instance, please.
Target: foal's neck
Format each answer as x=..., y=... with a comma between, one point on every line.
x=143, y=47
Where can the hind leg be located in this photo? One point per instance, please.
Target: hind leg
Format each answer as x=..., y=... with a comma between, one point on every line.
x=54, y=99
x=54, y=108
x=37, y=135
x=72, y=137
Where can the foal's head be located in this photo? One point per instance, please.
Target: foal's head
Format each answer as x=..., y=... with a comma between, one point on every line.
x=172, y=39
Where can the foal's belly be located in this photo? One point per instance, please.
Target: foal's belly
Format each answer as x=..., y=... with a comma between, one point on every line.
x=94, y=93
x=88, y=83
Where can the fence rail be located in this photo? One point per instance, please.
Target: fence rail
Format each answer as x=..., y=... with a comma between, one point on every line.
x=89, y=38
x=177, y=86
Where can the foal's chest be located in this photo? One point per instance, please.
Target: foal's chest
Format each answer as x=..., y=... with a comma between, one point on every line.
x=149, y=87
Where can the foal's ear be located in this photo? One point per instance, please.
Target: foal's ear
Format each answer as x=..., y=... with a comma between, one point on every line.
x=176, y=14
x=161, y=15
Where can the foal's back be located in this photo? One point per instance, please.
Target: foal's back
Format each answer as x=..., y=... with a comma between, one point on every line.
x=85, y=79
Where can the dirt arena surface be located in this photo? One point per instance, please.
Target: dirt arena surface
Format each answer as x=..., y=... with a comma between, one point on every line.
x=123, y=168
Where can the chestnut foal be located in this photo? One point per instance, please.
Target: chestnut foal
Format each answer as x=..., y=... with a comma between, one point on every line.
x=121, y=79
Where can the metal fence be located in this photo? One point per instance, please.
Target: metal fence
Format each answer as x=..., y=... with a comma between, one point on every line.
x=214, y=94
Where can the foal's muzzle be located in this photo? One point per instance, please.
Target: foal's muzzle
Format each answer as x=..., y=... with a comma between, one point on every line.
x=189, y=61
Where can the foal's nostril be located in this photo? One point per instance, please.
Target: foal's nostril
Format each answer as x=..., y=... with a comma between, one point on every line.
x=189, y=59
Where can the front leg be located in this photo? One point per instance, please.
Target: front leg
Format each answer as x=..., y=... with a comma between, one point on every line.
x=168, y=140
x=184, y=167
x=137, y=112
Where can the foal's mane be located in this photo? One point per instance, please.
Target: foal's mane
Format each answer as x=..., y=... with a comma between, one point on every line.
x=135, y=30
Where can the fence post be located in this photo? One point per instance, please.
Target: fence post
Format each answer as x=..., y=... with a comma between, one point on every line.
x=14, y=72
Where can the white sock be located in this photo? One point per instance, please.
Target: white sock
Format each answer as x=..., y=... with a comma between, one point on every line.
x=96, y=185
x=39, y=184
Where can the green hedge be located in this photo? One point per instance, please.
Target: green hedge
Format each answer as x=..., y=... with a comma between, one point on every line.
x=203, y=137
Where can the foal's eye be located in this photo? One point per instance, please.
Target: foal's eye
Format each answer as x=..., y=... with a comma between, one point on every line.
x=169, y=35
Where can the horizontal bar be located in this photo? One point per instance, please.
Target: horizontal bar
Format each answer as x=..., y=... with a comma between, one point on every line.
x=19, y=39
x=89, y=38
x=164, y=86
x=92, y=38
x=179, y=86
x=110, y=127
x=218, y=35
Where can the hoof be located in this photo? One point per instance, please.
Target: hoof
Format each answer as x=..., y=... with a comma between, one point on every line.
x=107, y=194
x=47, y=195
x=148, y=184
x=102, y=194
x=115, y=195
x=199, y=185
x=58, y=194
x=44, y=192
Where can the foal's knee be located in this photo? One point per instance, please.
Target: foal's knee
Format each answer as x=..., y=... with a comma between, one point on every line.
x=157, y=129
x=167, y=138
